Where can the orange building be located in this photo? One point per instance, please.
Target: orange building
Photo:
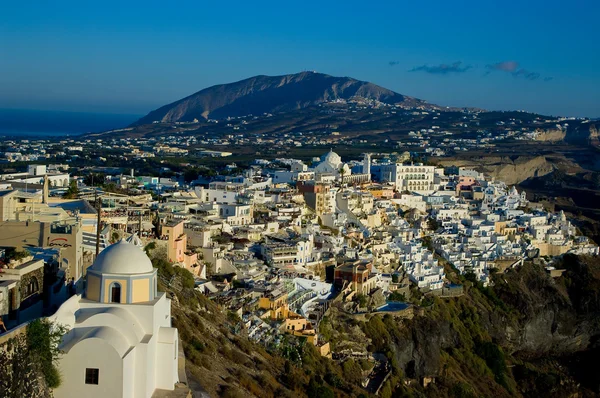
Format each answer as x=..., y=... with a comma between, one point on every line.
x=357, y=276
x=177, y=251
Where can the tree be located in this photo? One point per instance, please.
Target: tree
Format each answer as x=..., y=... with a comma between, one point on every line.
x=342, y=172
x=72, y=191
x=191, y=174
x=427, y=242
x=28, y=361
x=352, y=371
x=149, y=247
x=362, y=300
x=396, y=296
x=433, y=224
x=94, y=179
x=316, y=390
x=43, y=339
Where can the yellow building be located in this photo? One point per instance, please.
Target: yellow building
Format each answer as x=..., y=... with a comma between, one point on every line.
x=278, y=309
x=276, y=305
x=501, y=228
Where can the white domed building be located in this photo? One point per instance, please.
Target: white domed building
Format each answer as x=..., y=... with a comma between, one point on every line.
x=120, y=342
x=331, y=163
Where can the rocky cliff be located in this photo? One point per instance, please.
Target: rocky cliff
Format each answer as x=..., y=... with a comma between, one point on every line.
x=504, y=168
x=582, y=134
x=513, y=339
x=550, y=135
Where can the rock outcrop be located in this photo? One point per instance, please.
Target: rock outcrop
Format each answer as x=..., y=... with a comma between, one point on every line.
x=551, y=135
x=585, y=133
x=510, y=170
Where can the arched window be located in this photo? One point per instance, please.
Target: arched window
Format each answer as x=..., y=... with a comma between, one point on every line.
x=115, y=293
x=33, y=286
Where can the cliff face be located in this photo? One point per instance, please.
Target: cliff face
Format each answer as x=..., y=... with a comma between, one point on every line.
x=594, y=138
x=551, y=135
x=510, y=170
x=261, y=94
x=557, y=316
x=583, y=133
x=493, y=339
x=578, y=133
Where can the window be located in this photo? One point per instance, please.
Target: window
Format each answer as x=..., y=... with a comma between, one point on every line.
x=91, y=376
x=115, y=293
x=33, y=286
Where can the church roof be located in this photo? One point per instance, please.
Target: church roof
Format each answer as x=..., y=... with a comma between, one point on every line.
x=332, y=158
x=122, y=258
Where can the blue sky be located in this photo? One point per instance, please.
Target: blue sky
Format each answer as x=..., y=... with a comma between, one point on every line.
x=133, y=56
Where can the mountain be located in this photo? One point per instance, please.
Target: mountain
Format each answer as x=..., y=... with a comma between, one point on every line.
x=261, y=94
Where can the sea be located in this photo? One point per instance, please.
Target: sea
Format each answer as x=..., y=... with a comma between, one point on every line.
x=27, y=123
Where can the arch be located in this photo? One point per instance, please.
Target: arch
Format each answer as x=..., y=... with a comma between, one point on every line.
x=33, y=286
x=109, y=336
x=115, y=292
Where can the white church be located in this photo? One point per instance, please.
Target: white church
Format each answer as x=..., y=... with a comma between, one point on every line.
x=331, y=167
x=120, y=341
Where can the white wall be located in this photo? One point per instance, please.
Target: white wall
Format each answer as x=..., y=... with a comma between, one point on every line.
x=91, y=353
x=166, y=360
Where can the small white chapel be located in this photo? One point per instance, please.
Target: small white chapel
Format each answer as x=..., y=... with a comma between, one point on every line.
x=120, y=342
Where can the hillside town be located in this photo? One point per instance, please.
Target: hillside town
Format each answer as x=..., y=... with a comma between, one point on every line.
x=447, y=133
x=250, y=200
x=275, y=245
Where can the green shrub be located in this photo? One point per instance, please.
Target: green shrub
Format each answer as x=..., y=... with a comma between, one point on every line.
x=495, y=360
x=352, y=371
x=396, y=296
x=362, y=300
x=43, y=339
x=53, y=377
x=462, y=390
x=187, y=279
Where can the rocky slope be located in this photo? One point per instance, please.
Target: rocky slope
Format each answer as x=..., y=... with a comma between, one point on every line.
x=528, y=335
x=221, y=361
x=260, y=94
x=518, y=338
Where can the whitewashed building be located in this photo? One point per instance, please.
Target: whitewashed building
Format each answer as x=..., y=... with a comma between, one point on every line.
x=120, y=342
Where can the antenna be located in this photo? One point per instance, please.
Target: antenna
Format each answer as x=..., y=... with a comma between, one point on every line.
x=98, y=210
